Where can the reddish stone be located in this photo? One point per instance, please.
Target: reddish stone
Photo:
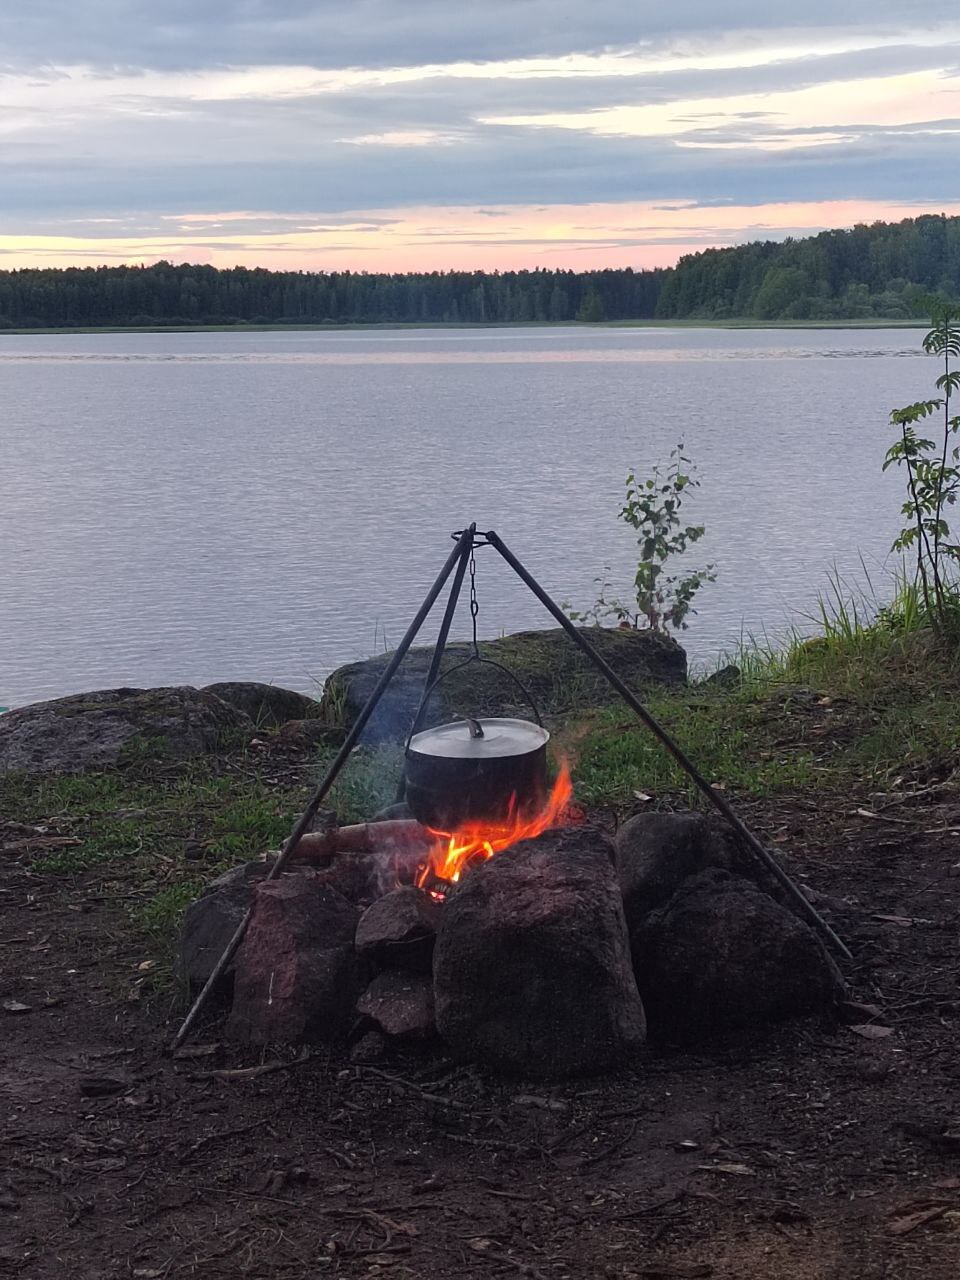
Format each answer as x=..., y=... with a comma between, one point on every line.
x=296, y=970
x=399, y=930
x=532, y=968
x=399, y=1005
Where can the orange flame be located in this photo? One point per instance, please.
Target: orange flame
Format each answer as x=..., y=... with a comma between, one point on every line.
x=478, y=841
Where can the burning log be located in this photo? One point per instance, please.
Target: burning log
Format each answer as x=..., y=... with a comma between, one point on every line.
x=443, y=856
x=398, y=835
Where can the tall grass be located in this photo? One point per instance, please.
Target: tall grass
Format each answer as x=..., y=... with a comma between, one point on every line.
x=852, y=634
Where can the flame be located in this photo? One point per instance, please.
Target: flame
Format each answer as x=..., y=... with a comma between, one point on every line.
x=478, y=841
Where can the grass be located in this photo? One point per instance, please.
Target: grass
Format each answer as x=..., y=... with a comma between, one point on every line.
x=870, y=700
x=871, y=695
x=153, y=834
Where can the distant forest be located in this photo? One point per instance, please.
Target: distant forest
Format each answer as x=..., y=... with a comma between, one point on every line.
x=878, y=271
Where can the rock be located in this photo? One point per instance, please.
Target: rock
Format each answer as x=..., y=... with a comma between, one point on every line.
x=722, y=957
x=727, y=677
x=296, y=970
x=399, y=1005
x=548, y=663
x=370, y=1048
x=361, y=878
x=110, y=726
x=301, y=734
x=656, y=852
x=399, y=930
x=532, y=967
x=211, y=921
x=265, y=704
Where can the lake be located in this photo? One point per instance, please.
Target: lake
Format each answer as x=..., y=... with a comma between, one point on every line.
x=190, y=507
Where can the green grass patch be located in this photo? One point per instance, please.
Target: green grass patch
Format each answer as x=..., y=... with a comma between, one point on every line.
x=871, y=695
x=733, y=740
x=870, y=699
x=368, y=783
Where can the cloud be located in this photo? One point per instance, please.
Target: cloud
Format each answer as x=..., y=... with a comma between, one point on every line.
x=269, y=117
x=185, y=34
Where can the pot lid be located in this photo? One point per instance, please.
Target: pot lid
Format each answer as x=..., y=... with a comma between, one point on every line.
x=502, y=738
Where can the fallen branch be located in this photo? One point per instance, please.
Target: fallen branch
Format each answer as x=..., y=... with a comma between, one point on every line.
x=433, y=1098
x=251, y=1073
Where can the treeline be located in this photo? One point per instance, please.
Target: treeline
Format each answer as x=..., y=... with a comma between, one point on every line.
x=882, y=271
x=165, y=294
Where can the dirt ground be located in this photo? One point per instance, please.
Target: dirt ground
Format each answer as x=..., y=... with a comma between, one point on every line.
x=821, y=1152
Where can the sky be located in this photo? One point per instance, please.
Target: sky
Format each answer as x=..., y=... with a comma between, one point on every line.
x=405, y=135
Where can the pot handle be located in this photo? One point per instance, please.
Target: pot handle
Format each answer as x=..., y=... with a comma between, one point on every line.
x=484, y=662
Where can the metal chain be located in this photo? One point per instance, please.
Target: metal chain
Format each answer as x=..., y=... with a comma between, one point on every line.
x=474, y=604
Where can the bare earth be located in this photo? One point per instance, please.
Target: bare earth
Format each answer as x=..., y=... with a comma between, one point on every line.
x=821, y=1152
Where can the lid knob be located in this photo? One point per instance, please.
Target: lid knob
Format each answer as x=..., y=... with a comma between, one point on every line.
x=476, y=728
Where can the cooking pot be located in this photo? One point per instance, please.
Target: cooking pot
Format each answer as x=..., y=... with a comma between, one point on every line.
x=471, y=770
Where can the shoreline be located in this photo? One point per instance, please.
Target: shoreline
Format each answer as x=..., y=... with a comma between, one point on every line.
x=380, y=326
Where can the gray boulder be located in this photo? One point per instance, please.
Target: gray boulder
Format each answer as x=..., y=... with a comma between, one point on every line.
x=656, y=852
x=548, y=663
x=265, y=704
x=211, y=921
x=296, y=977
x=721, y=957
x=399, y=930
x=532, y=968
x=105, y=728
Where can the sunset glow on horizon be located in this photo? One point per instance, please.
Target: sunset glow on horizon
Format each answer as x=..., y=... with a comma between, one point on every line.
x=511, y=238
x=306, y=136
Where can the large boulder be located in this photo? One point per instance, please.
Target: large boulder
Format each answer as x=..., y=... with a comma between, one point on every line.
x=105, y=728
x=722, y=957
x=548, y=663
x=265, y=704
x=296, y=977
x=211, y=921
x=656, y=852
x=532, y=968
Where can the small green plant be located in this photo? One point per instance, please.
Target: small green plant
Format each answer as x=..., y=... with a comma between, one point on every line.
x=652, y=508
x=933, y=477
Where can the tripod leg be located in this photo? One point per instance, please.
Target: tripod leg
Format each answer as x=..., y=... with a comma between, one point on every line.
x=441, y=644
x=330, y=776
x=747, y=836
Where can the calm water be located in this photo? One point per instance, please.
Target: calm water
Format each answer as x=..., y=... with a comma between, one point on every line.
x=183, y=508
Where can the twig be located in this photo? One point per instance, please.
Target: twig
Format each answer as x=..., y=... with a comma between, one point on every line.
x=218, y=1135
x=882, y=817
x=610, y=1151
x=527, y=1268
x=341, y=1157
x=648, y=1210
x=251, y=1073
x=495, y=1144
x=422, y=1093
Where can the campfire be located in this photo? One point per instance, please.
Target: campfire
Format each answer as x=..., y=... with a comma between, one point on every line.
x=453, y=852
x=434, y=859
x=544, y=959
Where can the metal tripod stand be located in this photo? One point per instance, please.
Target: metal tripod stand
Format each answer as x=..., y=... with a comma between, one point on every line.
x=458, y=560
